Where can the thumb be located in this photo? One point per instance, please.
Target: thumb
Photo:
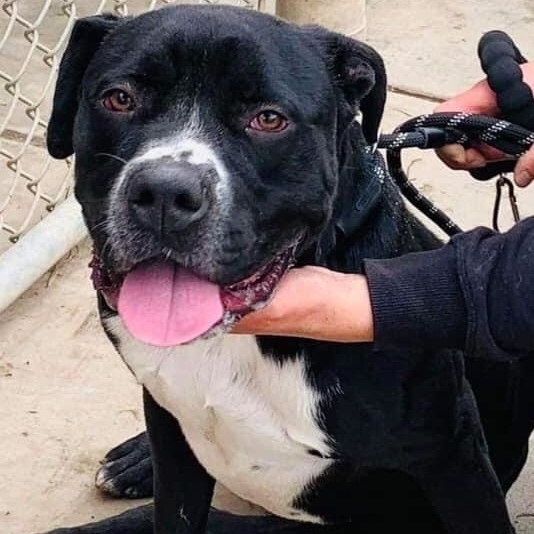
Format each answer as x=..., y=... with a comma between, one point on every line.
x=524, y=170
x=457, y=157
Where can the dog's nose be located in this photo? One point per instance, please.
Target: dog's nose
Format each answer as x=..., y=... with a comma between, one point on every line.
x=167, y=195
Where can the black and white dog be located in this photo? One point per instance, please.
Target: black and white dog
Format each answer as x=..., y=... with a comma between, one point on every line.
x=215, y=147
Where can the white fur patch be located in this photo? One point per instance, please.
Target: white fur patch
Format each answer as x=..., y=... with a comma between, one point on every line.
x=249, y=420
x=191, y=150
x=187, y=146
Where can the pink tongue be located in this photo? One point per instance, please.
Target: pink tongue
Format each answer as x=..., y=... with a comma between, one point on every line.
x=165, y=305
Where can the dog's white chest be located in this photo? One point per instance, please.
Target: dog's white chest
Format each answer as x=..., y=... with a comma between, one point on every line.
x=250, y=421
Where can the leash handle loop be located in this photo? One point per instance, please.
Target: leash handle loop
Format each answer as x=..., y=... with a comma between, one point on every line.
x=500, y=59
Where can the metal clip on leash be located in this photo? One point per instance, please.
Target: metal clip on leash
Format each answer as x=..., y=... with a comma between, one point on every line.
x=501, y=183
x=500, y=60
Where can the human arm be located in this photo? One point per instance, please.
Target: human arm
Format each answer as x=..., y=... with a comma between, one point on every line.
x=475, y=293
x=315, y=303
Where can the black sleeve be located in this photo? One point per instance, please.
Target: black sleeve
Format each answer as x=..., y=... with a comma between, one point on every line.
x=475, y=293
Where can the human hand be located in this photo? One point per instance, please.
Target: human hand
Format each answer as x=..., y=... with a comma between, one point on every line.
x=315, y=303
x=481, y=99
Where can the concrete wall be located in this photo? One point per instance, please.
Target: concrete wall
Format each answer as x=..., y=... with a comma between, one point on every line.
x=344, y=16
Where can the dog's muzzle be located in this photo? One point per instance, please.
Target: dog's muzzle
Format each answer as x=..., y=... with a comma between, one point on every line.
x=162, y=303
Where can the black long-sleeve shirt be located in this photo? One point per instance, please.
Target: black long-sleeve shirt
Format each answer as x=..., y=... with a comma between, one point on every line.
x=475, y=293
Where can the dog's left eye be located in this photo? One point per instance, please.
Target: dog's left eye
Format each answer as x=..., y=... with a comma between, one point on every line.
x=118, y=100
x=269, y=121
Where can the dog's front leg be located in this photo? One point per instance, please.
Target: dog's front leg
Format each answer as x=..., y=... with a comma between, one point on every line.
x=182, y=487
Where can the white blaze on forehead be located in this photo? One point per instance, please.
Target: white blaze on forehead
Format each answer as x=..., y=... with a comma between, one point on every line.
x=194, y=152
x=190, y=150
x=186, y=146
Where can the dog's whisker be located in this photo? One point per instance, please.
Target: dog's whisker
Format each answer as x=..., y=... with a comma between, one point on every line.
x=168, y=254
x=111, y=156
x=105, y=247
x=98, y=201
x=99, y=225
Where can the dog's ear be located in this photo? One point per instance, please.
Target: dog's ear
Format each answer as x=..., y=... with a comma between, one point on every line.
x=87, y=36
x=359, y=72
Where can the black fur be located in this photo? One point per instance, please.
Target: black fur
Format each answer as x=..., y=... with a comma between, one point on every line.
x=87, y=36
x=409, y=447
x=127, y=469
x=183, y=488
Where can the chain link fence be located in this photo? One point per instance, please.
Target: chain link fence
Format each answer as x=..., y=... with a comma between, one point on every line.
x=33, y=34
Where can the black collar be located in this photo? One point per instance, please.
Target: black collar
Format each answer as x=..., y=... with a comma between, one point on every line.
x=353, y=216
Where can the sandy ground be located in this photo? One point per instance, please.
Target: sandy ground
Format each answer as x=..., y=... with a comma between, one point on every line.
x=65, y=396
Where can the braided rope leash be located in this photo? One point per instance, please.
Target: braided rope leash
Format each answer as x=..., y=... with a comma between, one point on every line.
x=438, y=129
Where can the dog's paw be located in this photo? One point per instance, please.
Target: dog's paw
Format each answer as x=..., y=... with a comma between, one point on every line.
x=127, y=470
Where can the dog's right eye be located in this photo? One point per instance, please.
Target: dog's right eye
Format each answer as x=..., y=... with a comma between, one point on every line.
x=269, y=121
x=118, y=101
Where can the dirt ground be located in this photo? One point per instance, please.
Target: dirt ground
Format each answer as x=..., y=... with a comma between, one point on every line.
x=66, y=397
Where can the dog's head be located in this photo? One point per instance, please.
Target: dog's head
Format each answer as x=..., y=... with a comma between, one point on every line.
x=207, y=146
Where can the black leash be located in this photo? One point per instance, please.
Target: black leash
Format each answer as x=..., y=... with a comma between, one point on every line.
x=500, y=59
x=438, y=129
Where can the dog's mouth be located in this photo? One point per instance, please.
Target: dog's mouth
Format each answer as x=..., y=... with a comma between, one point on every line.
x=164, y=304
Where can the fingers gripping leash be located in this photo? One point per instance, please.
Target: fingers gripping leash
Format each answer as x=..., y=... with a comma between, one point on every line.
x=500, y=59
x=434, y=131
